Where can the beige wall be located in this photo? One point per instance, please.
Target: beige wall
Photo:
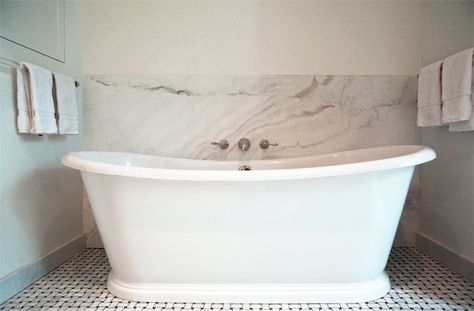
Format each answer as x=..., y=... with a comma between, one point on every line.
x=446, y=27
x=447, y=184
x=251, y=37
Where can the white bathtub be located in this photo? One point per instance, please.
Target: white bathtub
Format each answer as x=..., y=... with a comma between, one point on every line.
x=313, y=229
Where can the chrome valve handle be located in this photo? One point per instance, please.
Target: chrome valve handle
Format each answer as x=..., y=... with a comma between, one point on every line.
x=223, y=143
x=264, y=144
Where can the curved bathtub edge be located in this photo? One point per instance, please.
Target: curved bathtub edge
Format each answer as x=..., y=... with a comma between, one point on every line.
x=423, y=155
x=252, y=293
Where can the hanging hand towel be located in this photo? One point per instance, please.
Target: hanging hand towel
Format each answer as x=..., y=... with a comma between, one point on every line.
x=23, y=118
x=39, y=82
x=457, y=87
x=468, y=125
x=462, y=126
x=65, y=95
x=429, y=95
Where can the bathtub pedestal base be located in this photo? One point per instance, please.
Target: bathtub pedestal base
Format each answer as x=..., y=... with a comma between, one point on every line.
x=252, y=293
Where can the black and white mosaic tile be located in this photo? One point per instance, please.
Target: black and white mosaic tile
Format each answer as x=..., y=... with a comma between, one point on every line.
x=418, y=283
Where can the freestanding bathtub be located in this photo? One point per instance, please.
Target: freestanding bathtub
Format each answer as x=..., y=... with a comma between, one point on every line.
x=312, y=229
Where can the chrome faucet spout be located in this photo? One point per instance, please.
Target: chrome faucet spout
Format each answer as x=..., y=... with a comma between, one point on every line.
x=244, y=144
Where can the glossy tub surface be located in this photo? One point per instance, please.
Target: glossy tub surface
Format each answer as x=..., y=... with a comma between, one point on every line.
x=312, y=229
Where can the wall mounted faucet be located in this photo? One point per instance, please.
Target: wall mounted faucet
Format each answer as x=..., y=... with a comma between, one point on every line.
x=244, y=144
x=223, y=143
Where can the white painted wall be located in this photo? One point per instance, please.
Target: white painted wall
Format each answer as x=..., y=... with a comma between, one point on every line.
x=446, y=214
x=251, y=37
x=40, y=204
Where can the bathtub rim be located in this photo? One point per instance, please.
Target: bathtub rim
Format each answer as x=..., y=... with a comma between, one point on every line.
x=253, y=293
x=422, y=155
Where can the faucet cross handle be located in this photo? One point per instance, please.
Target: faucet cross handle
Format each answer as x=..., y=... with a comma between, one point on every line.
x=223, y=143
x=264, y=144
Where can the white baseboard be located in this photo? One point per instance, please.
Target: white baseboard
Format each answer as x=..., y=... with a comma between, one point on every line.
x=447, y=257
x=16, y=281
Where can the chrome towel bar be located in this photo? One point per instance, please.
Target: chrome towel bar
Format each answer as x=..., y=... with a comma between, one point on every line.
x=5, y=62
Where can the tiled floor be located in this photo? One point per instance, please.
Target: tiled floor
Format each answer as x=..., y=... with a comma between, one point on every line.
x=418, y=283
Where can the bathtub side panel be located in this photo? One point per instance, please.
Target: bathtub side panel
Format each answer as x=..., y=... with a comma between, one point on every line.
x=321, y=230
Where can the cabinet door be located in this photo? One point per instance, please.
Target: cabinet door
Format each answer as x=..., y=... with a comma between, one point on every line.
x=36, y=25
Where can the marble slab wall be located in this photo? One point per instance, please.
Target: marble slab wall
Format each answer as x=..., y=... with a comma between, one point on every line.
x=178, y=116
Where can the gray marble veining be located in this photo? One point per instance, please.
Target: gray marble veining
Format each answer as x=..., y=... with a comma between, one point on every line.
x=178, y=116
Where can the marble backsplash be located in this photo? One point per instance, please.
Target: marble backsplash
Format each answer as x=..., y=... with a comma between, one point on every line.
x=178, y=116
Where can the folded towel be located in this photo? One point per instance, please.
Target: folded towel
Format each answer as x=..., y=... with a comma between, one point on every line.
x=468, y=125
x=457, y=87
x=429, y=95
x=66, y=104
x=462, y=126
x=39, y=82
x=23, y=119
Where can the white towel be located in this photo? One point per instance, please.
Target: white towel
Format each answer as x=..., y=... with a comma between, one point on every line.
x=429, y=95
x=462, y=126
x=468, y=125
x=457, y=87
x=39, y=82
x=66, y=104
x=23, y=119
